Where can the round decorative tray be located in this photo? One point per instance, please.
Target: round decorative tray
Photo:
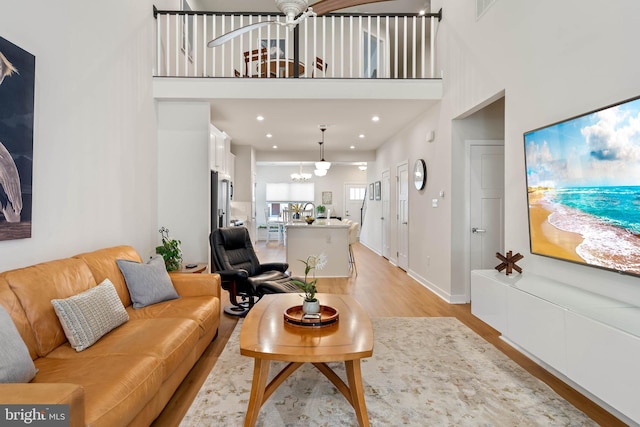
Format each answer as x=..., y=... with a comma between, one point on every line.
x=295, y=316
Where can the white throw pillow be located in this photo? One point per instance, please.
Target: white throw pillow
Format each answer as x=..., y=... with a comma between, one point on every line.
x=147, y=283
x=88, y=316
x=16, y=365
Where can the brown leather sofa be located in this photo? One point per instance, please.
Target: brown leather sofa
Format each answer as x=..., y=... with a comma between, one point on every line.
x=129, y=375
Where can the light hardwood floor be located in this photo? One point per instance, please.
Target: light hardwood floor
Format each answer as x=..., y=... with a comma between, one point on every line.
x=384, y=291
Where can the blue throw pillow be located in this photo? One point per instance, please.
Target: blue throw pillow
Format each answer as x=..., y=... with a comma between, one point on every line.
x=147, y=283
x=16, y=365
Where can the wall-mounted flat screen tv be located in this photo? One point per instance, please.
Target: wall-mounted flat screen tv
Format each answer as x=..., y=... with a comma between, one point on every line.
x=583, y=188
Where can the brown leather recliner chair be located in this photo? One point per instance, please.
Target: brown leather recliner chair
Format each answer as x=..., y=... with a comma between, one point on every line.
x=242, y=274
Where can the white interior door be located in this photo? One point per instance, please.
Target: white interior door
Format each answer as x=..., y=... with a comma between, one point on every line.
x=384, y=219
x=487, y=205
x=353, y=198
x=403, y=216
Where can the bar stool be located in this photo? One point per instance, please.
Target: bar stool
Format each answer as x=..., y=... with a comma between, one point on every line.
x=354, y=229
x=271, y=224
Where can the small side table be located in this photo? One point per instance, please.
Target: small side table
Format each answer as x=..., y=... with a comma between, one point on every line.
x=199, y=268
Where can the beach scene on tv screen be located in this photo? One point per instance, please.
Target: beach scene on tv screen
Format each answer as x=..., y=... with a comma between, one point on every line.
x=583, y=180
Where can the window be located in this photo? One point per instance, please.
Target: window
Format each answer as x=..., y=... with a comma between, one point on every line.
x=294, y=192
x=280, y=195
x=356, y=193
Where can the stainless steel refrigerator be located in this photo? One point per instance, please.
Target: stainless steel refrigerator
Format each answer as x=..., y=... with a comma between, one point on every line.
x=221, y=192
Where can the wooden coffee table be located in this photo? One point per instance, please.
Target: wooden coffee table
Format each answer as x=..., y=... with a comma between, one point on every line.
x=265, y=336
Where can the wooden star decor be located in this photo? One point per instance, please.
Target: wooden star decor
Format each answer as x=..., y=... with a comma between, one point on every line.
x=509, y=262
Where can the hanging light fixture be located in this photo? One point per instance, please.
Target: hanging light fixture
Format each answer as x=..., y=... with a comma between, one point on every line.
x=300, y=176
x=322, y=166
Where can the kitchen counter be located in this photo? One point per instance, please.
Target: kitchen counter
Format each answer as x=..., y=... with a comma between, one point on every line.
x=330, y=237
x=319, y=223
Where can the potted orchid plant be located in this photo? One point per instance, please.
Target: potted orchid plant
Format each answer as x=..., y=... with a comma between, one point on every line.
x=310, y=304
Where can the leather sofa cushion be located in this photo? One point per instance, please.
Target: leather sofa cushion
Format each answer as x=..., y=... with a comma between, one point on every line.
x=102, y=264
x=169, y=340
x=116, y=386
x=37, y=285
x=201, y=309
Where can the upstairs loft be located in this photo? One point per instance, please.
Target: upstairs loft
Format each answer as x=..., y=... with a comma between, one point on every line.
x=371, y=51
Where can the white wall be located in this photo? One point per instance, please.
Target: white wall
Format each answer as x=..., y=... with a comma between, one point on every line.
x=429, y=228
x=94, y=132
x=184, y=188
x=552, y=60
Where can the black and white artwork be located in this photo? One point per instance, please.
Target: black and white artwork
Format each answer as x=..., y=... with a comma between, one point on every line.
x=17, y=78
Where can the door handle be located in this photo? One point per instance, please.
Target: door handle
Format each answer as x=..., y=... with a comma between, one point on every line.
x=405, y=223
x=477, y=230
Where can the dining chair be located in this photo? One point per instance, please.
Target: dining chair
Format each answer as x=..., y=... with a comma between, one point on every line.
x=354, y=230
x=319, y=65
x=256, y=55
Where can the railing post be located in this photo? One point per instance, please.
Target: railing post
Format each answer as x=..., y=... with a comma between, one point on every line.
x=296, y=52
x=432, y=48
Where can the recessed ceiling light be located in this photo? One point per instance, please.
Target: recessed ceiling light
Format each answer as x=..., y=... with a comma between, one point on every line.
x=275, y=147
x=353, y=147
x=375, y=119
x=260, y=118
x=269, y=135
x=361, y=135
x=422, y=12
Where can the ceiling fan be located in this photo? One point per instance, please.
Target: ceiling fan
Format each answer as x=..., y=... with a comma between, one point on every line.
x=295, y=11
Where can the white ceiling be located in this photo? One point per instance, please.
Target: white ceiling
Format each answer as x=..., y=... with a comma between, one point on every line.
x=294, y=123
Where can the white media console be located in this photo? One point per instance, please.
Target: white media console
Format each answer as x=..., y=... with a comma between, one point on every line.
x=590, y=341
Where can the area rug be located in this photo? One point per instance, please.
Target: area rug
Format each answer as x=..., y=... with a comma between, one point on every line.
x=424, y=371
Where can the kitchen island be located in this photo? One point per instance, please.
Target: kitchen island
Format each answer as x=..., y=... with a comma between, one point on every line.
x=328, y=236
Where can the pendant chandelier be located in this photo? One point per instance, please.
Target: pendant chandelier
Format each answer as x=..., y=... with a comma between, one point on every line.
x=300, y=176
x=322, y=166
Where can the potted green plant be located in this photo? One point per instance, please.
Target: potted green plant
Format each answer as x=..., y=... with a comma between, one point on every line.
x=170, y=251
x=321, y=211
x=310, y=304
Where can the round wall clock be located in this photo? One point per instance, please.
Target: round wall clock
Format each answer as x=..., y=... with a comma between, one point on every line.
x=419, y=174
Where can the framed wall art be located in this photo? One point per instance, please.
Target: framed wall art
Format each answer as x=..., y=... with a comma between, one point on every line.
x=377, y=190
x=327, y=197
x=17, y=83
x=275, y=47
x=371, y=191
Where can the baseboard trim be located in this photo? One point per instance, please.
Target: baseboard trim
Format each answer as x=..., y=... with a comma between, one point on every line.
x=447, y=297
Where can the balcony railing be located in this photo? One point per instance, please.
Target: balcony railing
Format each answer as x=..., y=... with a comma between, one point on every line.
x=332, y=46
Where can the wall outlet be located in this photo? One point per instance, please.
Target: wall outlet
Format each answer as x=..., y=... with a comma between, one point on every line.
x=434, y=203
